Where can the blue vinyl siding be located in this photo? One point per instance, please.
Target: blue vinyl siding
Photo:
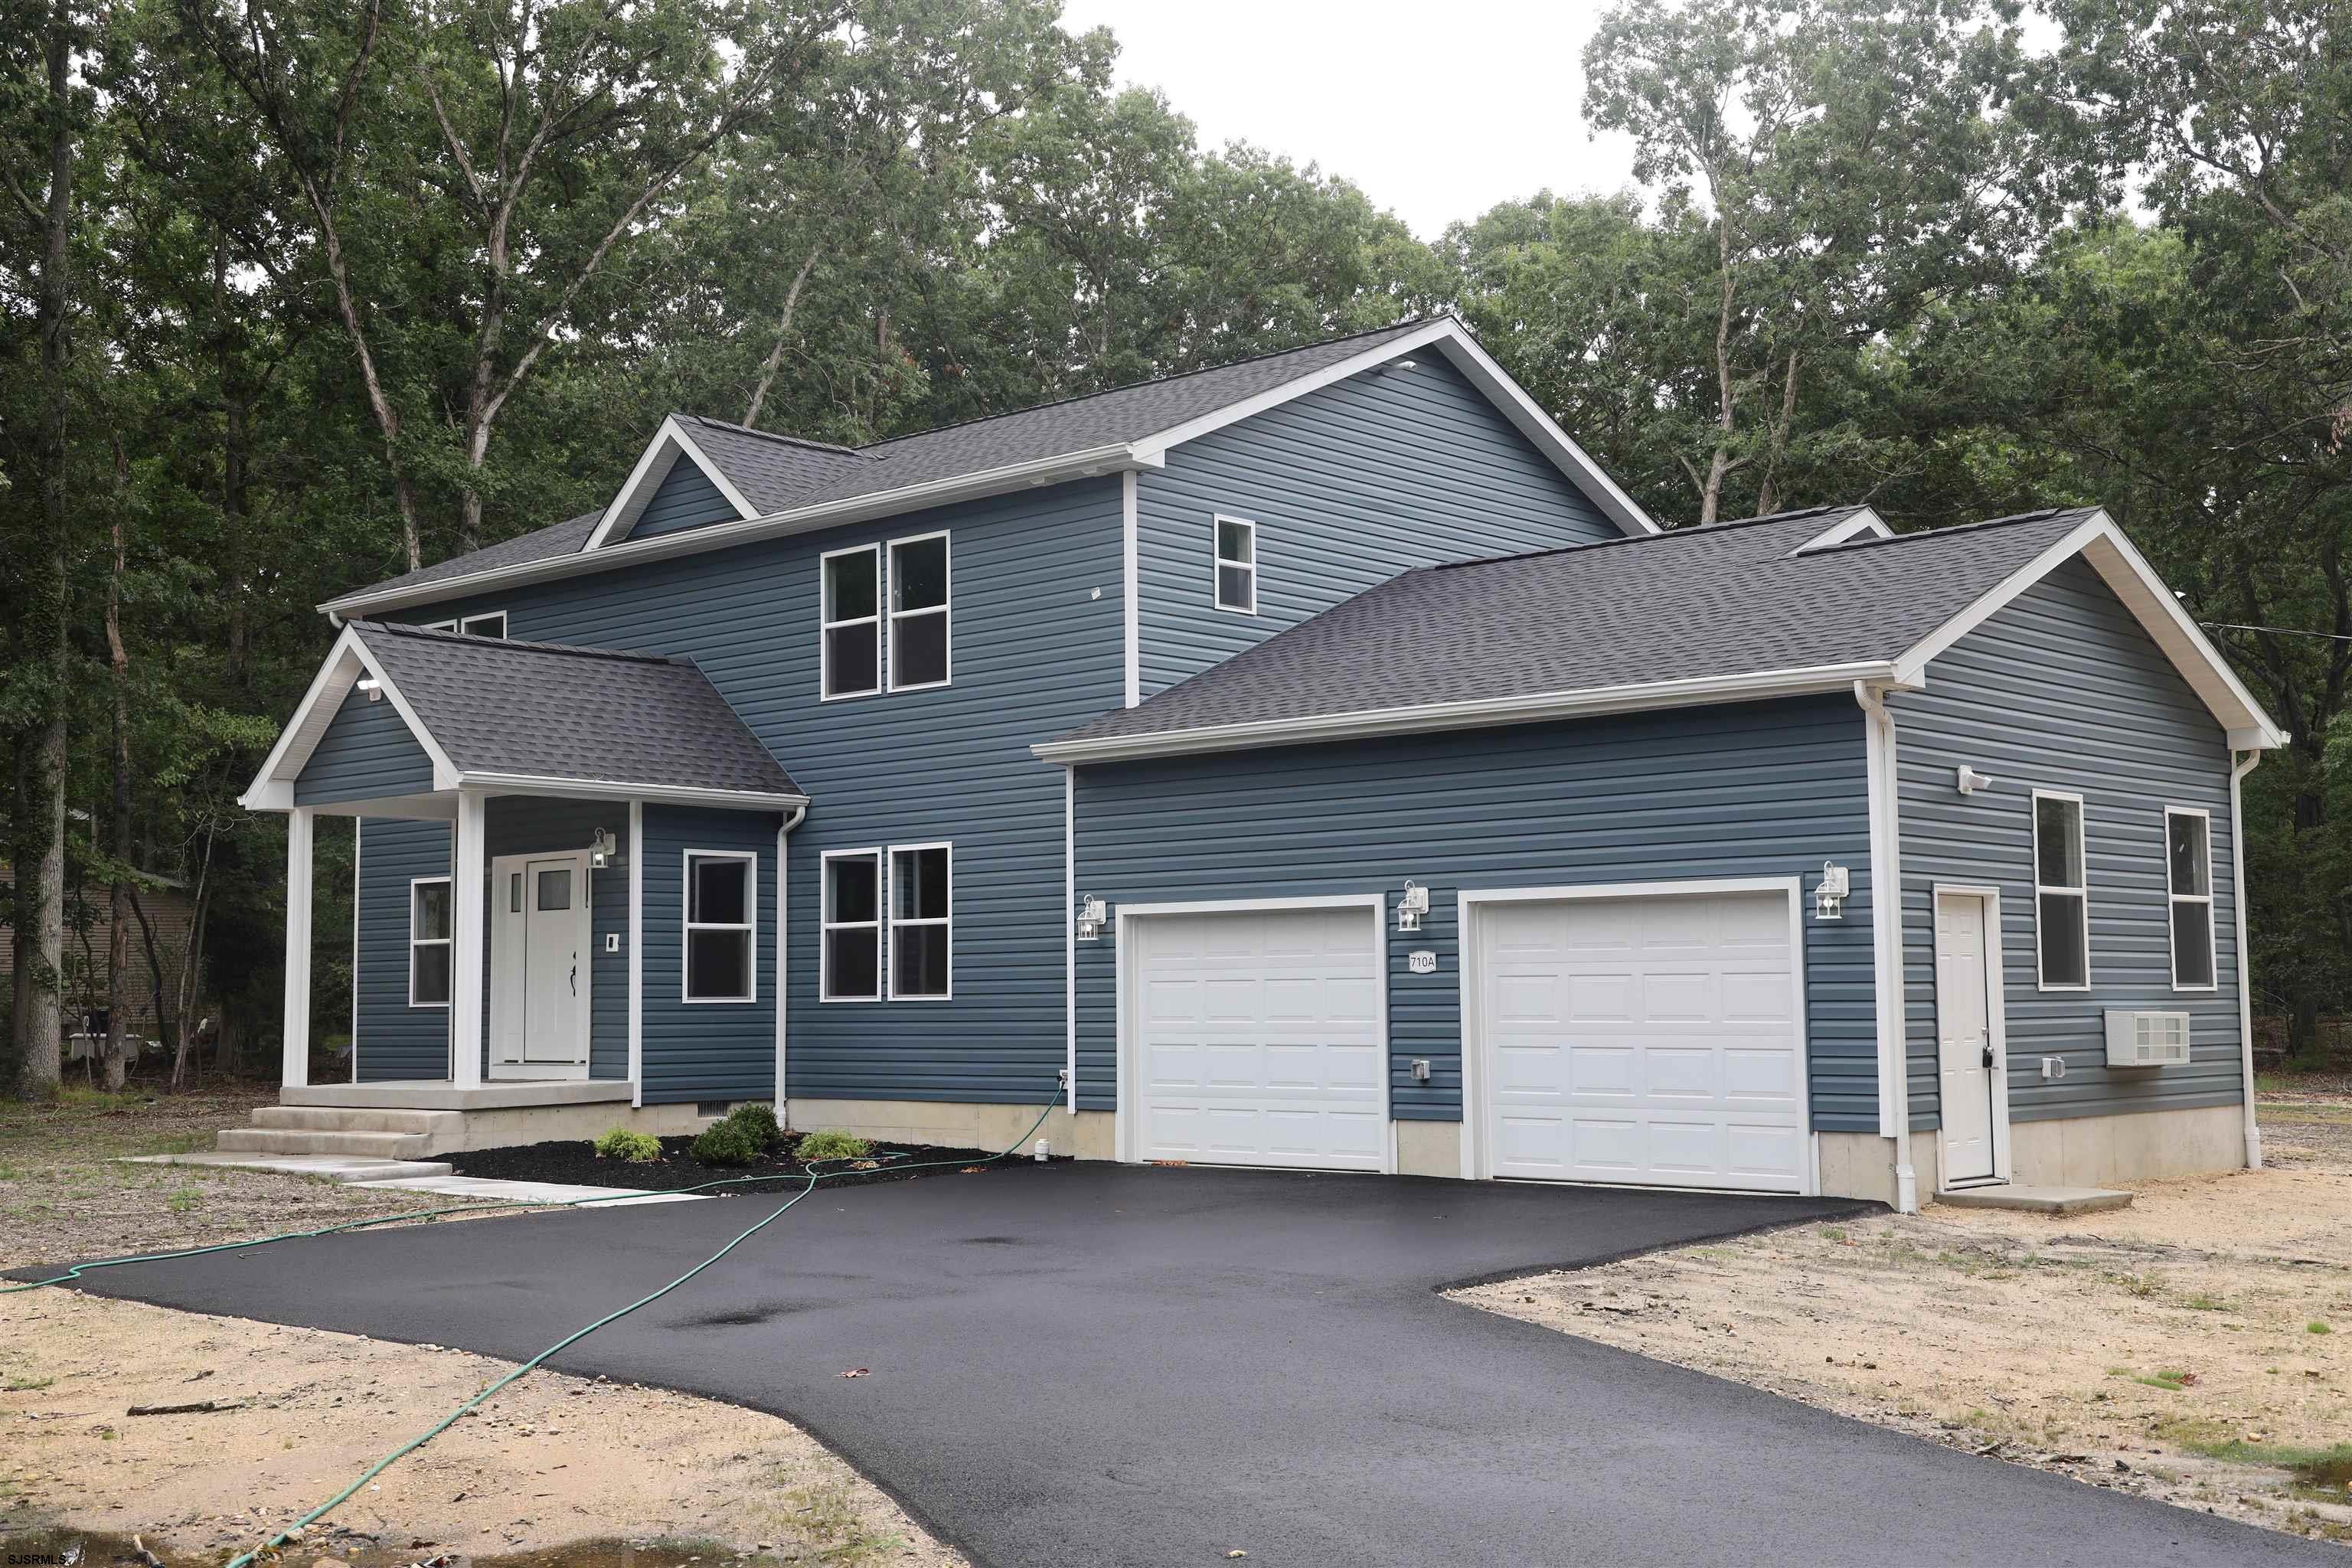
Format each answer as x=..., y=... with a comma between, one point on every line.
x=367, y=752
x=2064, y=691
x=395, y=1040
x=706, y=1050
x=1766, y=789
x=684, y=499
x=1349, y=486
x=1035, y=654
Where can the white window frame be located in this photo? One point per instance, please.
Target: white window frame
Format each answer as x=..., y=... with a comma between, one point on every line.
x=827, y=925
x=469, y=624
x=825, y=626
x=887, y=585
x=1218, y=564
x=438, y=626
x=2172, y=897
x=2083, y=836
x=748, y=925
x=415, y=941
x=890, y=919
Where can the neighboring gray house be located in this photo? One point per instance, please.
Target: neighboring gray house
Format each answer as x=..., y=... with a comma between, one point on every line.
x=1314, y=762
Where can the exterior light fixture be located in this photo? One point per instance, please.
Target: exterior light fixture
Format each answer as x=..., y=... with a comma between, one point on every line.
x=1412, y=907
x=603, y=849
x=1969, y=781
x=1830, y=894
x=372, y=687
x=1093, y=915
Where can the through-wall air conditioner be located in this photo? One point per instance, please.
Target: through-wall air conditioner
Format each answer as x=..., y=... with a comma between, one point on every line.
x=2138, y=1039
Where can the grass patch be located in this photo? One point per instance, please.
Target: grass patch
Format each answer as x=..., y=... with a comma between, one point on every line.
x=2172, y=1382
x=828, y=1520
x=28, y=1384
x=186, y=1200
x=2207, y=1304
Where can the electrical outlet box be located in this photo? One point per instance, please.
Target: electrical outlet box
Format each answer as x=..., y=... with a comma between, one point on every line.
x=611, y=942
x=2148, y=1039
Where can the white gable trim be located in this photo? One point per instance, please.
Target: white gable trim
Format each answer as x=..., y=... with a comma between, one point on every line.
x=661, y=454
x=1862, y=523
x=1448, y=337
x=273, y=787
x=2126, y=570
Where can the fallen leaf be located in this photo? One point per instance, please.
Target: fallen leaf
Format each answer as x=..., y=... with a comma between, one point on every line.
x=856, y=1372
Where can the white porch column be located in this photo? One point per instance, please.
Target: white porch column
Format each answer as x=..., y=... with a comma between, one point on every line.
x=466, y=923
x=296, y=1072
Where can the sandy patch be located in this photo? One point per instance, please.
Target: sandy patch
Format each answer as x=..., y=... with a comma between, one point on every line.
x=551, y=1460
x=2166, y=1348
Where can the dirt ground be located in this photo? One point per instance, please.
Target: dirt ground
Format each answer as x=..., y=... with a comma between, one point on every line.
x=550, y=1461
x=2194, y=1348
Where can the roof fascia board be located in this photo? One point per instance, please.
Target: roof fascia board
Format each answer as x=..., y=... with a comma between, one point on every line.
x=661, y=455
x=1863, y=521
x=2126, y=572
x=1537, y=708
x=1089, y=464
x=655, y=795
x=273, y=787
x=1449, y=338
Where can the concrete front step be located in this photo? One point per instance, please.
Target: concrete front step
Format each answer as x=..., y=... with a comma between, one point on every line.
x=330, y=1119
x=2037, y=1200
x=295, y=1141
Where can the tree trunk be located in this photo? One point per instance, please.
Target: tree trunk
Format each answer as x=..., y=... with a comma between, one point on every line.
x=783, y=339
x=118, y=945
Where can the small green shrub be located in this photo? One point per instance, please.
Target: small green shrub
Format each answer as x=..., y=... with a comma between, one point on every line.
x=2317, y=1327
x=637, y=1148
x=760, y=1120
x=727, y=1143
x=833, y=1146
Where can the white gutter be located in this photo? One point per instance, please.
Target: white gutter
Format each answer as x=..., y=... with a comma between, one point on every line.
x=660, y=794
x=2238, y=771
x=1887, y=939
x=1093, y=462
x=1524, y=709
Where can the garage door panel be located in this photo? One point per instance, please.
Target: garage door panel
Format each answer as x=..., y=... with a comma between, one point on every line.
x=1644, y=1039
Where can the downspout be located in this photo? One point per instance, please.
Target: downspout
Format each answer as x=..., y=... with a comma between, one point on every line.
x=2238, y=771
x=1886, y=940
x=784, y=924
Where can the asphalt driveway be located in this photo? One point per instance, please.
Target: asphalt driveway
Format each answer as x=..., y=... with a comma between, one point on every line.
x=1084, y=1365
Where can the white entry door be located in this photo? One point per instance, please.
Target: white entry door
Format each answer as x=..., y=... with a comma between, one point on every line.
x=1257, y=1037
x=540, y=956
x=1968, y=1072
x=1651, y=1040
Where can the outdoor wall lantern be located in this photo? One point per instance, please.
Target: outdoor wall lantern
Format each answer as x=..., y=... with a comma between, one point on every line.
x=1829, y=893
x=1412, y=907
x=603, y=850
x=1093, y=915
x=1969, y=781
x=372, y=687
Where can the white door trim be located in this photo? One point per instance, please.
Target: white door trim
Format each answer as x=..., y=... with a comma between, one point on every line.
x=1996, y=1019
x=1123, y=1133
x=1477, y=1136
x=504, y=951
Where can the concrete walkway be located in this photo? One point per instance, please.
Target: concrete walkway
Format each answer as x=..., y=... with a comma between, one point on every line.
x=416, y=1176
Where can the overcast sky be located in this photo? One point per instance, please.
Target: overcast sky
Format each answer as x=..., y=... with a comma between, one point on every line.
x=1437, y=112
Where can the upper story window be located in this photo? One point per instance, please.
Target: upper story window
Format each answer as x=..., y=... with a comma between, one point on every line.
x=2061, y=898
x=918, y=612
x=489, y=624
x=2188, y=887
x=720, y=916
x=428, y=942
x=1236, y=564
x=851, y=654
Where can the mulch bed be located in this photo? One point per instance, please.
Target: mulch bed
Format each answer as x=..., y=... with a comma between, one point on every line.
x=575, y=1163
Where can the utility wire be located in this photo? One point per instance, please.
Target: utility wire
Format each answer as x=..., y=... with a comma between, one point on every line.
x=2277, y=631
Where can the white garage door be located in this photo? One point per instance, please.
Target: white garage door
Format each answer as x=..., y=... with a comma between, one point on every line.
x=1652, y=1040
x=1257, y=1039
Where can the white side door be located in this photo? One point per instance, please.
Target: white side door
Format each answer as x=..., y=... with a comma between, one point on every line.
x=1964, y=1046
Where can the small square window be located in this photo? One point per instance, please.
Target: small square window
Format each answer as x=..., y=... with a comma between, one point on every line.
x=1236, y=565
x=554, y=891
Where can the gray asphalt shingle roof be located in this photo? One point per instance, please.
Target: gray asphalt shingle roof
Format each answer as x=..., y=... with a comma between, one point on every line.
x=781, y=473
x=1725, y=600
x=588, y=714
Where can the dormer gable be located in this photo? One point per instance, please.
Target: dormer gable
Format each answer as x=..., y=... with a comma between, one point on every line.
x=675, y=486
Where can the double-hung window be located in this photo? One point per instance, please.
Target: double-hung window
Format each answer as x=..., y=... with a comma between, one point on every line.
x=921, y=921
x=851, y=653
x=918, y=612
x=428, y=942
x=2188, y=887
x=1236, y=564
x=849, y=966
x=722, y=917
x=2061, y=897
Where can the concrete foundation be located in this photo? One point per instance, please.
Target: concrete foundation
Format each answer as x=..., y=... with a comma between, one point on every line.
x=2085, y=1152
x=1429, y=1148
x=1088, y=1135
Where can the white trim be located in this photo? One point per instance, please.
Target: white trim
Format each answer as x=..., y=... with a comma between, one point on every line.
x=1477, y=1141
x=2126, y=572
x=449, y=626
x=826, y=624
x=466, y=625
x=637, y=853
x=826, y=925
x=1090, y=464
x=1130, y=579
x=621, y=789
x=295, y=1057
x=945, y=609
x=748, y=925
x=891, y=923
x=1218, y=563
x=468, y=905
x=2172, y=898
x=1996, y=984
x=415, y=941
x=1123, y=1121
x=511, y=907
x=1863, y=523
x=2252, y=1130
x=1529, y=709
x=273, y=785
x=660, y=456
x=1069, y=937
x=2083, y=844
x=358, y=887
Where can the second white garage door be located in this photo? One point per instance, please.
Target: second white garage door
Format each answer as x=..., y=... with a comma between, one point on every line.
x=1653, y=1041
x=1257, y=1039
